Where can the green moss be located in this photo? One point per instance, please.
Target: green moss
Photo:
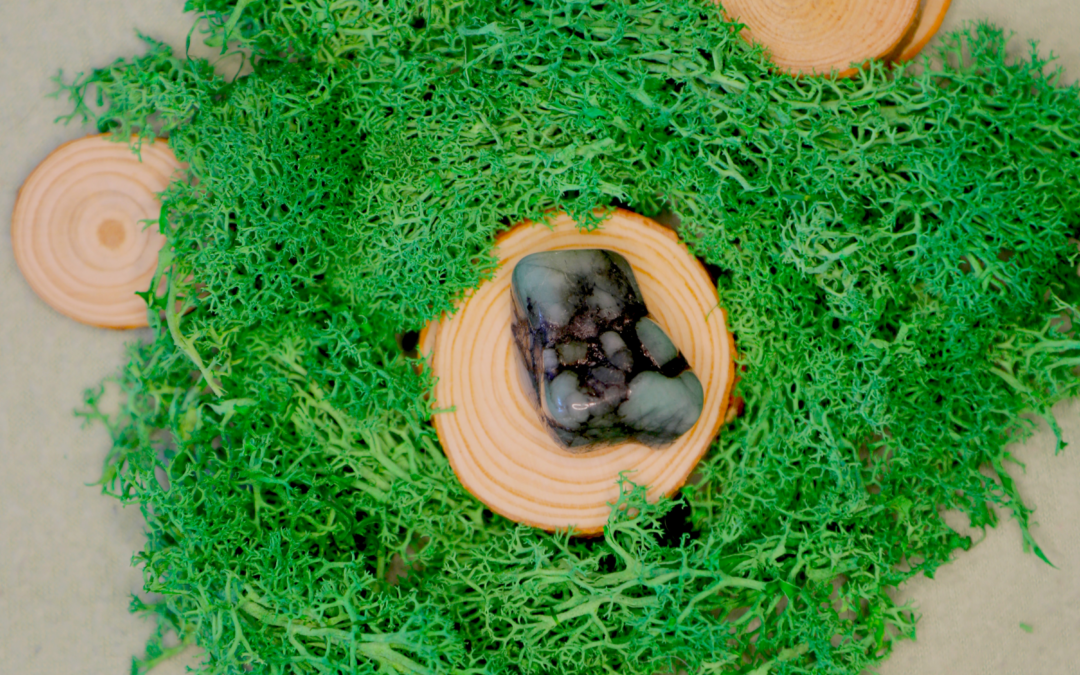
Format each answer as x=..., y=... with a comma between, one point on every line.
x=893, y=251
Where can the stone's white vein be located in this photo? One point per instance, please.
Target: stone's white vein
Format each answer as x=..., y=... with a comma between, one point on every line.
x=663, y=405
x=581, y=328
x=656, y=342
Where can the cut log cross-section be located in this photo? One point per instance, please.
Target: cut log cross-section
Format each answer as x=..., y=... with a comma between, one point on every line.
x=930, y=17
x=78, y=228
x=817, y=37
x=492, y=434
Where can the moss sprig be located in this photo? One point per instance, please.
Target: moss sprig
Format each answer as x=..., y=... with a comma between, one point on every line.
x=896, y=253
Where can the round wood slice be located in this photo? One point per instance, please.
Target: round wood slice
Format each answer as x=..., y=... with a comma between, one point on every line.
x=929, y=20
x=817, y=37
x=494, y=438
x=77, y=229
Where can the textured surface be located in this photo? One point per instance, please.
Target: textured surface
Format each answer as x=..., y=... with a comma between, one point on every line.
x=63, y=575
x=823, y=36
x=603, y=372
x=501, y=443
x=78, y=230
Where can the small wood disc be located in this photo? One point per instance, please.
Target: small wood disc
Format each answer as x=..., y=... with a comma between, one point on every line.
x=494, y=438
x=929, y=20
x=816, y=37
x=77, y=233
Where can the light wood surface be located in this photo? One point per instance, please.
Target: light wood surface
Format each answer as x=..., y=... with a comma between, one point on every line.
x=495, y=441
x=818, y=37
x=79, y=230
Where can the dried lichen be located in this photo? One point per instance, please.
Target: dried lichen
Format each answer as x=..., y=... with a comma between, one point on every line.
x=894, y=252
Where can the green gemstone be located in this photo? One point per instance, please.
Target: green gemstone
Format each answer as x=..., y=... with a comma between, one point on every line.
x=656, y=342
x=664, y=406
x=603, y=371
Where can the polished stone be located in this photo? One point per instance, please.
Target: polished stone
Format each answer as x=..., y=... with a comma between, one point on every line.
x=601, y=369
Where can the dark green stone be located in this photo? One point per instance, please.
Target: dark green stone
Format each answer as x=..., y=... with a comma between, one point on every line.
x=602, y=370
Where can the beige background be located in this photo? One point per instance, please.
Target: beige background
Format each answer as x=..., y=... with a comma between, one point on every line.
x=64, y=549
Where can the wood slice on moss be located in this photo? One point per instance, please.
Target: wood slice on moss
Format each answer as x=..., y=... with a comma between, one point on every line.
x=78, y=230
x=819, y=37
x=493, y=436
x=927, y=23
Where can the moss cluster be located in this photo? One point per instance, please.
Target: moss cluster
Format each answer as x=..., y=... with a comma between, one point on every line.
x=896, y=253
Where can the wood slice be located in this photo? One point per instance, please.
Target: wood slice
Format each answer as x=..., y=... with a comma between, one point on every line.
x=817, y=37
x=77, y=229
x=929, y=20
x=494, y=438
